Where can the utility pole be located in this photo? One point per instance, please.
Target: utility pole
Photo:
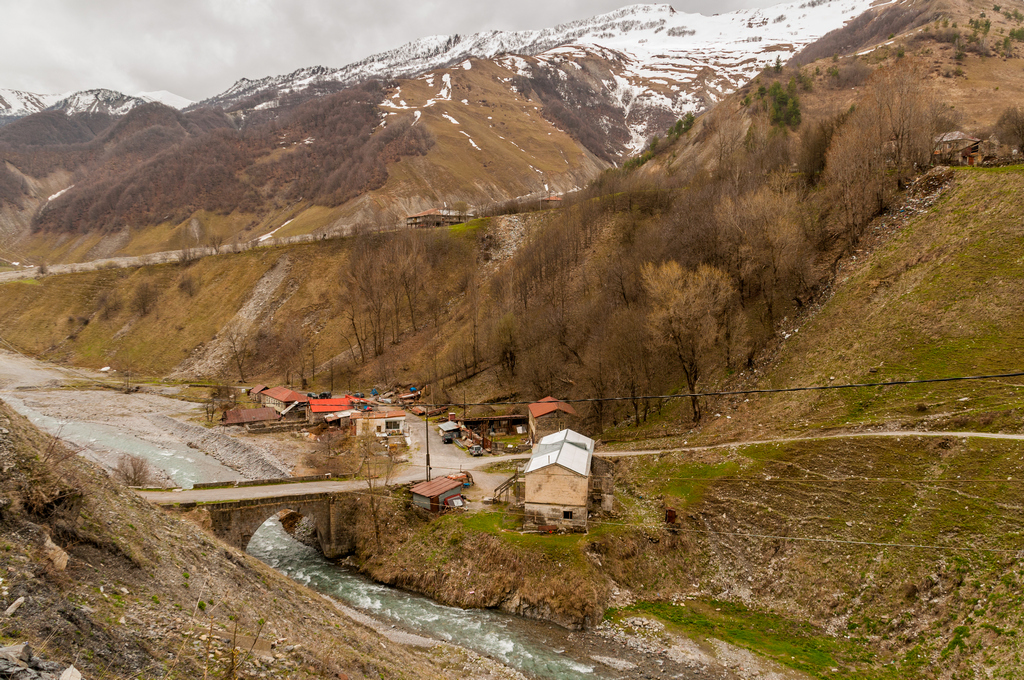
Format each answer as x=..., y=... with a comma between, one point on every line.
x=426, y=421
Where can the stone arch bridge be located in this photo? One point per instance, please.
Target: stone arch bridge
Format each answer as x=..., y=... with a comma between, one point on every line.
x=236, y=521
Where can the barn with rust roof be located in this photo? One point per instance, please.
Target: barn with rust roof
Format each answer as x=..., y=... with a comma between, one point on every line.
x=550, y=415
x=438, y=494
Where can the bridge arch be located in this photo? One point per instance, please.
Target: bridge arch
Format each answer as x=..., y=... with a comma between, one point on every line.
x=236, y=521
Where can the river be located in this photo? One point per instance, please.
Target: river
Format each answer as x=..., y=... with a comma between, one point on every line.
x=538, y=649
x=105, y=443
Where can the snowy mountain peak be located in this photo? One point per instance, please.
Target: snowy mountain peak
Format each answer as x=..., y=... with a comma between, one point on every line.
x=97, y=101
x=739, y=42
x=16, y=104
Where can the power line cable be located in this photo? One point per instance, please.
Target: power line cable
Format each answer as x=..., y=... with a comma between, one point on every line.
x=727, y=393
x=736, y=534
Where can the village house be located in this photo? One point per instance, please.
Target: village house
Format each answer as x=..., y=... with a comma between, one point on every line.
x=557, y=489
x=320, y=409
x=549, y=202
x=434, y=218
x=956, y=148
x=378, y=422
x=549, y=415
x=288, y=403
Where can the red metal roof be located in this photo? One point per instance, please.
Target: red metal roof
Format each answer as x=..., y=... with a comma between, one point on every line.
x=435, y=487
x=550, y=405
x=256, y=389
x=329, y=405
x=432, y=211
x=239, y=416
x=284, y=394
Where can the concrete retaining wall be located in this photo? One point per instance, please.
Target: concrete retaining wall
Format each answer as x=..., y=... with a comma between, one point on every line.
x=250, y=461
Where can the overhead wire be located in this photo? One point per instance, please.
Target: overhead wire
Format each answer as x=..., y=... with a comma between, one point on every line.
x=728, y=393
x=739, y=534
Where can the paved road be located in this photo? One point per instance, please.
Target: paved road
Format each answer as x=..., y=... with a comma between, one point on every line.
x=452, y=456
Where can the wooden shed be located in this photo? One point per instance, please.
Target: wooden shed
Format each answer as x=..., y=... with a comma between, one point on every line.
x=436, y=494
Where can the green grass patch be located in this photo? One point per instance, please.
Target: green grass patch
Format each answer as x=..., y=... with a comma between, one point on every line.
x=794, y=644
x=470, y=228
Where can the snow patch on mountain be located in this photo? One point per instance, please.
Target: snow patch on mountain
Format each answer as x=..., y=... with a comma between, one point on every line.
x=661, y=42
x=166, y=98
x=17, y=104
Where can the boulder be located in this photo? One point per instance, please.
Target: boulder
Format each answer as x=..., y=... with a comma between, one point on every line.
x=55, y=554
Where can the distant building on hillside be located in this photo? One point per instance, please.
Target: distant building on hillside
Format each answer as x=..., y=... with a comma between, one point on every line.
x=435, y=217
x=956, y=148
x=550, y=415
x=551, y=202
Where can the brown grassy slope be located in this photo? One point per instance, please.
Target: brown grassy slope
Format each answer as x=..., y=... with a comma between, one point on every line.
x=941, y=298
x=92, y=319
x=128, y=604
x=519, y=153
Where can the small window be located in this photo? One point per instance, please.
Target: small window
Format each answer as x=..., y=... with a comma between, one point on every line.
x=566, y=514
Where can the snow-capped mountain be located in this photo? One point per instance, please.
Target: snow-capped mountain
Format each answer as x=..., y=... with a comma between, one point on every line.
x=166, y=98
x=97, y=101
x=16, y=104
x=691, y=51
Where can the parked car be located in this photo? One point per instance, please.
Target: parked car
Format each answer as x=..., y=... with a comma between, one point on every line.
x=448, y=438
x=476, y=450
x=325, y=395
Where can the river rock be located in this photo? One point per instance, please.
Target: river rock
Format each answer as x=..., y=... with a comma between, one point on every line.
x=55, y=554
x=14, y=607
x=71, y=673
x=19, y=652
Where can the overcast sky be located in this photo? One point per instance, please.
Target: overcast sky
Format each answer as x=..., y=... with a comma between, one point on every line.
x=198, y=48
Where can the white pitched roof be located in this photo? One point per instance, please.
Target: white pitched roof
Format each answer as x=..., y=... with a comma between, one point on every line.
x=569, y=449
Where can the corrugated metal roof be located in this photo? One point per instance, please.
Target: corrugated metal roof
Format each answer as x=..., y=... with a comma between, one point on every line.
x=550, y=405
x=284, y=394
x=449, y=426
x=239, y=416
x=566, y=448
x=329, y=405
x=256, y=389
x=374, y=415
x=956, y=137
x=435, y=487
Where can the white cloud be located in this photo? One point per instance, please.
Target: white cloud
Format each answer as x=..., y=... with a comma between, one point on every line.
x=198, y=48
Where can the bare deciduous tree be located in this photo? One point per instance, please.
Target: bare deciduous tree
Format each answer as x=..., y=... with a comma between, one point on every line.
x=687, y=312
x=241, y=349
x=133, y=470
x=378, y=470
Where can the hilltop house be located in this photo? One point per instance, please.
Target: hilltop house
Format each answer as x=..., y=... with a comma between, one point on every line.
x=549, y=415
x=956, y=148
x=434, y=218
x=558, y=481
